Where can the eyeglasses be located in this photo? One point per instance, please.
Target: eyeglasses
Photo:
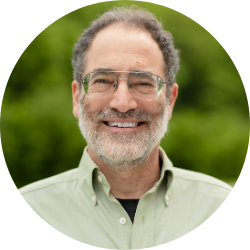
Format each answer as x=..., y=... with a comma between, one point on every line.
x=143, y=85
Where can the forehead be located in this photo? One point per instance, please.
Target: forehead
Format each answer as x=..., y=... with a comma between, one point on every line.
x=124, y=48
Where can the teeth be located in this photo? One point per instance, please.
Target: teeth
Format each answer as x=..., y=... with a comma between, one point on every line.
x=123, y=124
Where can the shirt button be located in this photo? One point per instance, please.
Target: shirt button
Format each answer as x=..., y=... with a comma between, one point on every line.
x=99, y=178
x=122, y=221
x=166, y=198
x=93, y=198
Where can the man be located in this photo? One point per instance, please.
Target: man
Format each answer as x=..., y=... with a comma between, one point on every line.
x=125, y=193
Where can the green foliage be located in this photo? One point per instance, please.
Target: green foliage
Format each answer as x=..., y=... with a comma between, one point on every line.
x=209, y=131
x=213, y=143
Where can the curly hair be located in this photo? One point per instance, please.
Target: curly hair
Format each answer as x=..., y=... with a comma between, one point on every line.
x=138, y=18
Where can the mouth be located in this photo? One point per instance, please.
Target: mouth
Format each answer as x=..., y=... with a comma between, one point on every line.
x=123, y=126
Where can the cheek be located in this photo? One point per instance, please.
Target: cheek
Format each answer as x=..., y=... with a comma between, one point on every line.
x=94, y=105
x=156, y=107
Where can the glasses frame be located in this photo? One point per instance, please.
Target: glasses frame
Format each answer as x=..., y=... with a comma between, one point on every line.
x=81, y=80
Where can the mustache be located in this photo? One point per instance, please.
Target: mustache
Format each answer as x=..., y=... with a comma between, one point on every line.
x=111, y=113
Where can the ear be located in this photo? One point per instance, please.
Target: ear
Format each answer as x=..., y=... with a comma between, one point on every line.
x=173, y=97
x=75, y=95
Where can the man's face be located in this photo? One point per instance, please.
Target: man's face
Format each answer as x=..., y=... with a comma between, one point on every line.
x=121, y=129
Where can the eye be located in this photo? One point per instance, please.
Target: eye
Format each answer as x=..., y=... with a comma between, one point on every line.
x=144, y=83
x=102, y=81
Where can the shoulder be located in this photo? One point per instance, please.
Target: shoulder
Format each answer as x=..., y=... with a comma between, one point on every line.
x=200, y=194
x=200, y=183
x=48, y=183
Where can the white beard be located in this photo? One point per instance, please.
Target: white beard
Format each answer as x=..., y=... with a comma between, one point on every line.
x=123, y=151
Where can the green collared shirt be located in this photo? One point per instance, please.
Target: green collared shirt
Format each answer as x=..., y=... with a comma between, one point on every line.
x=78, y=203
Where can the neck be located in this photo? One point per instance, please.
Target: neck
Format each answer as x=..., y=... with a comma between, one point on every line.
x=131, y=184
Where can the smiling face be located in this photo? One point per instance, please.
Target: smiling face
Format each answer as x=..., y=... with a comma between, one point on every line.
x=122, y=130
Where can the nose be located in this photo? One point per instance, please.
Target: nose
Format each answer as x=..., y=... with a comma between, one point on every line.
x=122, y=99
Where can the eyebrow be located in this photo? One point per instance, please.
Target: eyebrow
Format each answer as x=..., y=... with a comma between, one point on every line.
x=114, y=70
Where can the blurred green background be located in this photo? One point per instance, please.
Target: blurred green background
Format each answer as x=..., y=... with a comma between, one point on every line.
x=209, y=130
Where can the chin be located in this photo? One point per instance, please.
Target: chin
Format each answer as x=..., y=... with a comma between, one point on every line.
x=123, y=156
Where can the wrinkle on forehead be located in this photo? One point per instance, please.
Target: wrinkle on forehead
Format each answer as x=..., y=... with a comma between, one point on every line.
x=125, y=65
x=136, y=58
x=127, y=46
x=122, y=61
x=124, y=56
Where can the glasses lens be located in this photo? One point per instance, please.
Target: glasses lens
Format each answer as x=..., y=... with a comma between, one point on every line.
x=145, y=85
x=99, y=84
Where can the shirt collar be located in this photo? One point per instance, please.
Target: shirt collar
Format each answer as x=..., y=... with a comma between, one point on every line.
x=168, y=173
x=88, y=173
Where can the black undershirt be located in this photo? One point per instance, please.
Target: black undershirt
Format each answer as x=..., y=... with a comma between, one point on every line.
x=130, y=205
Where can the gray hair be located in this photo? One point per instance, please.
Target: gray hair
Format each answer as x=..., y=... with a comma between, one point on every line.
x=129, y=16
